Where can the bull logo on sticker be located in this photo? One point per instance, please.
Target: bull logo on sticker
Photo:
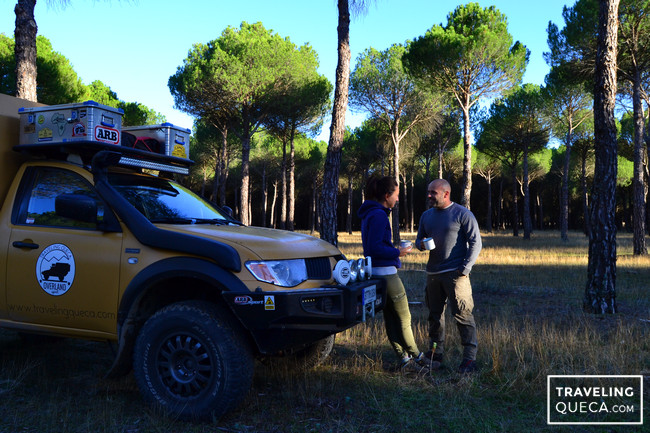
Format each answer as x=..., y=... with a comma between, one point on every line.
x=55, y=269
x=78, y=130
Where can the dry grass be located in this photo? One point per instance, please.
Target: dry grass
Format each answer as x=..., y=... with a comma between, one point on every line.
x=528, y=297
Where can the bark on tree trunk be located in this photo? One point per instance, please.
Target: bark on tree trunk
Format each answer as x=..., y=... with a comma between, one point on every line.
x=283, y=195
x=500, y=224
x=585, y=196
x=515, y=210
x=488, y=223
x=275, y=197
x=412, y=204
x=396, y=210
x=25, y=49
x=638, y=184
x=440, y=161
x=564, y=195
x=265, y=197
x=600, y=292
x=348, y=221
x=467, y=158
x=337, y=129
x=312, y=215
x=528, y=225
x=245, y=177
x=291, y=199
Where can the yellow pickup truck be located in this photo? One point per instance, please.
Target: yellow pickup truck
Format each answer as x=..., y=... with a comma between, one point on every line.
x=93, y=245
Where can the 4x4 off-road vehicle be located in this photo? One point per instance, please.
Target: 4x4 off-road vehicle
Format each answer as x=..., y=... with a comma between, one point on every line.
x=92, y=245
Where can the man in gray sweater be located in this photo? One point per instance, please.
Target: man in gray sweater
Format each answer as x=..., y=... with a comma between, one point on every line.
x=457, y=242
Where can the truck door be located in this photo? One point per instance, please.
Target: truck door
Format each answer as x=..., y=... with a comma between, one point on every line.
x=62, y=271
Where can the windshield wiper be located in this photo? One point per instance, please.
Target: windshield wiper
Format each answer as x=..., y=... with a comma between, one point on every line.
x=217, y=221
x=179, y=220
x=172, y=220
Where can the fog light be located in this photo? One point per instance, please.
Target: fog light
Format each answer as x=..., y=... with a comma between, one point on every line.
x=354, y=270
x=361, y=266
x=327, y=305
x=341, y=272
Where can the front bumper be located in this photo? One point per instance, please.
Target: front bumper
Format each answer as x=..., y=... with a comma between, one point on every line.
x=293, y=319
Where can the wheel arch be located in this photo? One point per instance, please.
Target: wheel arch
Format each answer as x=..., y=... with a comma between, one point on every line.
x=160, y=284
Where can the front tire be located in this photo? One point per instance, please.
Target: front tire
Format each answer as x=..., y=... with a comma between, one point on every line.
x=304, y=359
x=191, y=361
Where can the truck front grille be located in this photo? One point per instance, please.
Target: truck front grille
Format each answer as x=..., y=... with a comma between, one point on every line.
x=318, y=268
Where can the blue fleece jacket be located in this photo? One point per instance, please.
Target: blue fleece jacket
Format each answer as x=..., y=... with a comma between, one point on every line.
x=376, y=235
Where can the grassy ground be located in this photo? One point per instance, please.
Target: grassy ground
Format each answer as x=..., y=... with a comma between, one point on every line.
x=528, y=297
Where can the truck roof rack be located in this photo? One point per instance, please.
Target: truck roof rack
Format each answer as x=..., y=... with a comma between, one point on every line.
x=129, y=157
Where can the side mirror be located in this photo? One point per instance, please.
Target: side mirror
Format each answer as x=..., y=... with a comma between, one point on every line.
x=228, y=211
x=77, y=207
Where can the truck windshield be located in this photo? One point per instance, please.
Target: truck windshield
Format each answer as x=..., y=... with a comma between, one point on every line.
x=164, y=201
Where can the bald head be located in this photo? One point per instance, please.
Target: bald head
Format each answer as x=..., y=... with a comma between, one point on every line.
x=438, y=194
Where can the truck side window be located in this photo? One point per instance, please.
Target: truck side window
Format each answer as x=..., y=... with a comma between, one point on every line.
x=48, y=201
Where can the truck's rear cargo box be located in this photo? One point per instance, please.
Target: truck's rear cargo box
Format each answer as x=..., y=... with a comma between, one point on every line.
x=10, y=161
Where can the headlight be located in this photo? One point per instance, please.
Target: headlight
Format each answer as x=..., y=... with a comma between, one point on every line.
x=285, y=273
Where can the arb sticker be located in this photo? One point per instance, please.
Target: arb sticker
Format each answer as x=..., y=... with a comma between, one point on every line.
x=55, y=269
x=107, y=135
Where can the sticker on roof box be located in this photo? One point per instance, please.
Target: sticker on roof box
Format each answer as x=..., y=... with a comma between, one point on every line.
x=179, y=151
x=55, y=269
x=78, y=130
x=107, y=135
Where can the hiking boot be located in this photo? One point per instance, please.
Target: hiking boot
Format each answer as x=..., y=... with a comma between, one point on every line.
x=467, y=366
x=433, y=356
x=428, y=361
x=411, y=365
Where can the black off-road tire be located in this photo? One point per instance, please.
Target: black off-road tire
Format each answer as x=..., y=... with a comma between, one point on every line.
x=192, y=361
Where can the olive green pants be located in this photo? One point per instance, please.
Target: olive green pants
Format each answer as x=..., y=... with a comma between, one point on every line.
x=397, y=318
x=451, y=289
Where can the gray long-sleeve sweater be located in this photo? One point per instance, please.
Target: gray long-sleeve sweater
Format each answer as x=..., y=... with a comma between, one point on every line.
x=456, y=235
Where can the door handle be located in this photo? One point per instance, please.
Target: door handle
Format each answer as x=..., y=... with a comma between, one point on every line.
x=30, y=245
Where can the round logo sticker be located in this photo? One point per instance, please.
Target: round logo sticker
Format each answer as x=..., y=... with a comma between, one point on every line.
x=55, y=269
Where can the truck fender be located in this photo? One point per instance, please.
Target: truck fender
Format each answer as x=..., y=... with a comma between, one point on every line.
x=175, y=267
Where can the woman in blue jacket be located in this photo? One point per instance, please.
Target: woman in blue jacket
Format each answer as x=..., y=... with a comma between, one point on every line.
x=382, y=195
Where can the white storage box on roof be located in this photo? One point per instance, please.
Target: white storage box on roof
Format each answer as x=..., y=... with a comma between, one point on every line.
x=175, y=140
x=85, y=121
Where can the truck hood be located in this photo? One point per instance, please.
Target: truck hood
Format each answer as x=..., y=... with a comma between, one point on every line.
x=267, y=244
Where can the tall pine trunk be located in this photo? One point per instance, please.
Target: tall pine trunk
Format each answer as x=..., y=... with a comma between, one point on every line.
x=337, y=129
x=245, y=172
x=600, y=292
x=528, y=224
x=291, y=198
x=639, y=186
x=25, y=50
x=488, y=223
x=348, y=222
x=564, y=194
x=467, y=157
x=585, y=194
x=515, y=205
x=283, y=194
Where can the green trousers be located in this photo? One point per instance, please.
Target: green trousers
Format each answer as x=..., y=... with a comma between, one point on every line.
x=397, y=318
